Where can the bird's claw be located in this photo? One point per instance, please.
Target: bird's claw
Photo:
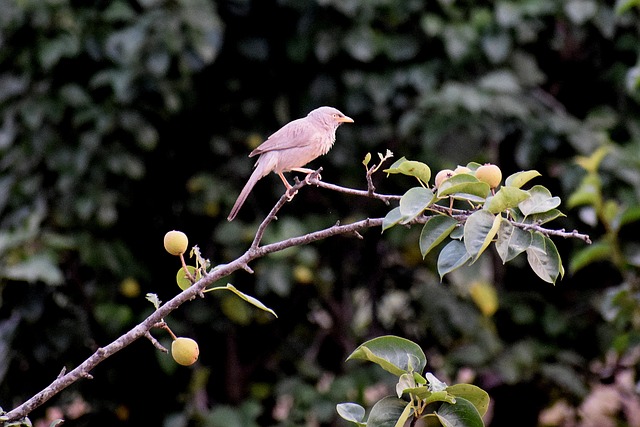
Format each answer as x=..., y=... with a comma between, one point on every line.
x=307, y=179
x=290, y=194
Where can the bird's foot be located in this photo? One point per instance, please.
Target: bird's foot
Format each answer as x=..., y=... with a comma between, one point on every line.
x=291, y=193
x=307, y=179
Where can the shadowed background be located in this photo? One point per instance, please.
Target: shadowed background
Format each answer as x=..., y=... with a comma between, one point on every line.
x=121, y=120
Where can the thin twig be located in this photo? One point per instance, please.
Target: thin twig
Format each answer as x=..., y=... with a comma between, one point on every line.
x=353, y=192
x=550, y=232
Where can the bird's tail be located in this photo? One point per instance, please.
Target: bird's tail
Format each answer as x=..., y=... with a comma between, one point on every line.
x=258, y=173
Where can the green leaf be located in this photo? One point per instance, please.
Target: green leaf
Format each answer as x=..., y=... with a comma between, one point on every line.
x=464, y=184
x=479, y=230
x=543, y=217
x=427, y=396
x=182, y=279
x=418, y=169
x=414, y=202
x=434, y=383
x=404, y=416
x=518, y=179
x=393, y=169
x=544, y=258
x=435, y=230
x=251, y=300
x=411, y=168
x=540, y=201
x=405, y=381
x=474, y=394
x=453, y=255
x=631, y=214
x=598, y=251
x=587, y=193
x=593, y=161
x=393, y=217
x=511, y=241
x=394, y=354
x=351, y=412
x=460, y=414
x=367, y=159
x=386, y=412
x=505, y=198
x=623, y=6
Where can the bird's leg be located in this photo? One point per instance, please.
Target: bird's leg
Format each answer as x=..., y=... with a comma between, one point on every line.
x=307, y=171
x=286, y=184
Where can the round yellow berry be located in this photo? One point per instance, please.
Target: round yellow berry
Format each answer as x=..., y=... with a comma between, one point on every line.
x=489, y=173
x=442, y=176
x=185, y=351
x=176, y=242
x=461, y=169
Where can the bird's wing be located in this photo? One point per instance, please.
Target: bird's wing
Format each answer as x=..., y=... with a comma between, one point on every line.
x=297, y=133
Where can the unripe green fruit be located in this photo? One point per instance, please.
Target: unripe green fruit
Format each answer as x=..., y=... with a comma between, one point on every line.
x=176, y=242
x=442, y=176
x=489, y=173
x=185, y=351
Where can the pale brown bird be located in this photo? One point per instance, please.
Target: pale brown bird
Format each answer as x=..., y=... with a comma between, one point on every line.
x=293, y=146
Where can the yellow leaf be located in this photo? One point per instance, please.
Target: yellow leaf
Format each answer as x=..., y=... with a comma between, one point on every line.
x=484, y=295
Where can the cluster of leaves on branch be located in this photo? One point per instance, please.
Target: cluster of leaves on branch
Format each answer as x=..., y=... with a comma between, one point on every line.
x=506, y=215
x=459, y=404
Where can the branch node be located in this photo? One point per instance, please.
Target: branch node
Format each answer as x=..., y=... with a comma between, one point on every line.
x=155, y=342
x=63, y=371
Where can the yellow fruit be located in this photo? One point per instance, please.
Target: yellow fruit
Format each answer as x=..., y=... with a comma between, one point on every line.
x=442, y=176
x=461, y=169
x=489, y=173
x=176, y=242
x=185, y=351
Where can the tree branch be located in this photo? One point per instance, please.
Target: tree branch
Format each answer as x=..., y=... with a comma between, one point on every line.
x=143, y=328
x=255, y=251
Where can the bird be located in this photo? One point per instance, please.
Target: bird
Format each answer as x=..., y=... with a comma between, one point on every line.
x=292, y=147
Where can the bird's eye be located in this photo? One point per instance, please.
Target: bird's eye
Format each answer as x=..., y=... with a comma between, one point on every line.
x=335, y=115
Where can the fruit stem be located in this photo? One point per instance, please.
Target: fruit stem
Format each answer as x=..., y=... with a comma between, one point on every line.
x=168, y=329
x=186, y=270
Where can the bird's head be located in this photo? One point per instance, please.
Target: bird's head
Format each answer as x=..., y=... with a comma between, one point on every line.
x=329, y=116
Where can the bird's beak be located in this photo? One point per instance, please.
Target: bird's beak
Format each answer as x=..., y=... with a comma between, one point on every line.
x=344, y=119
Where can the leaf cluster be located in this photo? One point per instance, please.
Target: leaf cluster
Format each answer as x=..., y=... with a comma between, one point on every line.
x=458, y=404
x=509, y=217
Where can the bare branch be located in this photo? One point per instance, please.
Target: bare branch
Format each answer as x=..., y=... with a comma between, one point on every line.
x=549, y=232
x=353, y=192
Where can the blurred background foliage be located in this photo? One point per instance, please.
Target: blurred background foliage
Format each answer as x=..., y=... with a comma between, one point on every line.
x=122, y=119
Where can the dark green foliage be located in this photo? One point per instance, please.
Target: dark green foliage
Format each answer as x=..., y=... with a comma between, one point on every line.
x=121, y=120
